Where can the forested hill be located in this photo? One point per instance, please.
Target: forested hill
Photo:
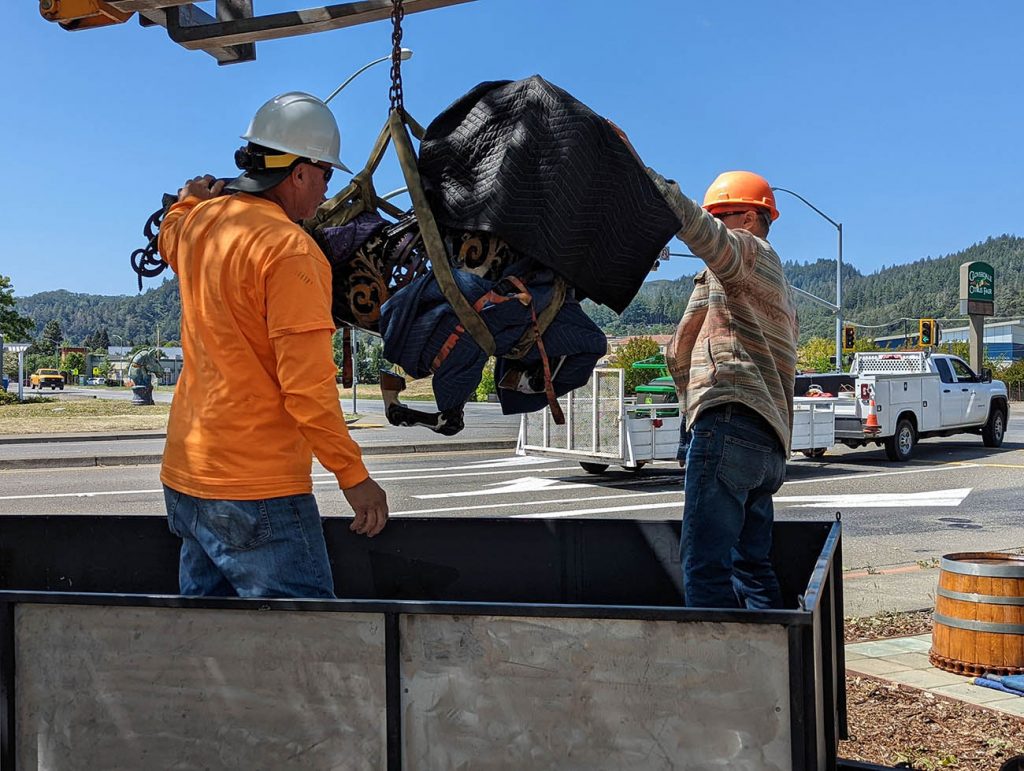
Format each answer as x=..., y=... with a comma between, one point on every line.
x=922, y=289
x=925, y=288
x=135, y=318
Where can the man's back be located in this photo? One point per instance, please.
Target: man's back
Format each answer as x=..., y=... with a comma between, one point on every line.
x=247, y=276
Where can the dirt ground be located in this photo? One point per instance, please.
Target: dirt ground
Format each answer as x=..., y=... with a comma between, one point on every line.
x=896, y=725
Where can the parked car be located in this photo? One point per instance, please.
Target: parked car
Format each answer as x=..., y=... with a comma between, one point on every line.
x=95, y=381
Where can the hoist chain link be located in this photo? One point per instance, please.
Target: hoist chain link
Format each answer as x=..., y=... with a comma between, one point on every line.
x=397, y=14
x=146, y=262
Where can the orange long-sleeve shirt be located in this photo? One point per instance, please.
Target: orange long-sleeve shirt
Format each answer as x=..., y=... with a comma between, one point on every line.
x=257, y=395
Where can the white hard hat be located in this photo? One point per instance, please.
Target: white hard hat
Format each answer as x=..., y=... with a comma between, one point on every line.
x=300, y=124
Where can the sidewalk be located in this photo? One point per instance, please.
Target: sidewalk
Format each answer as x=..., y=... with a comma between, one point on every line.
x=904, y=660
x=486, y=429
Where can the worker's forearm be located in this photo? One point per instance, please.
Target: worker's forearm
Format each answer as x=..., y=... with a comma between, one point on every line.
x=306, y=372
x=725, y=252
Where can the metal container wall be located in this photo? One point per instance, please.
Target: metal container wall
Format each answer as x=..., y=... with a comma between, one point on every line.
x=490, y=644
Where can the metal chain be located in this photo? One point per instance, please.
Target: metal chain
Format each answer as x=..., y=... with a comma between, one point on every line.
x=146, y=262
x=397, y=14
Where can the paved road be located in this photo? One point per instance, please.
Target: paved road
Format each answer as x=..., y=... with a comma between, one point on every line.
x=898, y=519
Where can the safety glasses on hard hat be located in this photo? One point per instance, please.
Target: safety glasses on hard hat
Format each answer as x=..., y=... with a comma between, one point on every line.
x=327, y=170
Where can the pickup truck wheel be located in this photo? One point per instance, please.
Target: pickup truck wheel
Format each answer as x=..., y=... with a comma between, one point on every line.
x=817, y=452
x=995, y=428
x=900, y=445
x=594, y=468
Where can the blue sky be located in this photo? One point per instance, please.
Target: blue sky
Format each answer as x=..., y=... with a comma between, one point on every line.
x=901, y=120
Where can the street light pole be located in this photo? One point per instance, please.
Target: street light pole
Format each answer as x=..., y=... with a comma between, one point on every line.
x=405, y=56
x=839, y=274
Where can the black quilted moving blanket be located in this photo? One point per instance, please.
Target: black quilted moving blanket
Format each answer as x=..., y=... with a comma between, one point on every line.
x=529, y=162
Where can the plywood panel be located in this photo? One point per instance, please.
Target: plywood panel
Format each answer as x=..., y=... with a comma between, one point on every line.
x=102, y=687
x=500, y=693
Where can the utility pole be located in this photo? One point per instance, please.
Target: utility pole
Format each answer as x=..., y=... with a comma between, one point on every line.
x=355, y=368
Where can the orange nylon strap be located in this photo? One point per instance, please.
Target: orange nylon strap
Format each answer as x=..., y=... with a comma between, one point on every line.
x=453, y=338
x=549, y=387
x=524, y=297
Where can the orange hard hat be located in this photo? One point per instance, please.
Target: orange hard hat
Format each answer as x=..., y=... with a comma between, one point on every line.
x=740, y=187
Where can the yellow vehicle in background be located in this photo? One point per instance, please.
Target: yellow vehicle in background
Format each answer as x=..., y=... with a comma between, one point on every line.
x=43, y=378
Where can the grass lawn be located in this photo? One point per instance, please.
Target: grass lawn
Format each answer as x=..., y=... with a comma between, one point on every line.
x=66, y=416
x=415, y=391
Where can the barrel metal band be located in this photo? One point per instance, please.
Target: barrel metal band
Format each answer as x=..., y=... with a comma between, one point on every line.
x=978, y=626
x=990, y=599
x=974, y=569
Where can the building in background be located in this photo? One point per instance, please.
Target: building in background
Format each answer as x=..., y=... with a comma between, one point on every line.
x=1003, y=340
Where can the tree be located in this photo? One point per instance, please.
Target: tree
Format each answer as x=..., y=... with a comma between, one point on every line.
x=486, y=386
x=371, y=360
x=74, y=361
x=634, y=350
x=13, y=326
x=52, y=336
x=814, y=355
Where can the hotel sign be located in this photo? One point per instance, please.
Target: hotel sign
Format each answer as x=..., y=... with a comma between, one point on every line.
x=977, y=288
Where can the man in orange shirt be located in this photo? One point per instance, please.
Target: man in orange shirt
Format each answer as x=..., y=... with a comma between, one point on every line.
x=257, y=396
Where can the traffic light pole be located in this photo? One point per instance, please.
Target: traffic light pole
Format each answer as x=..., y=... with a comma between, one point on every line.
x=839, y=298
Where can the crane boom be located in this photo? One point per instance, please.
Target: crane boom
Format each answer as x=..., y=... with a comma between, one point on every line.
x=231, y=35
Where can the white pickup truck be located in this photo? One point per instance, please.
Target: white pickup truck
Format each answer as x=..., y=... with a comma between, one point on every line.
x=895, y=399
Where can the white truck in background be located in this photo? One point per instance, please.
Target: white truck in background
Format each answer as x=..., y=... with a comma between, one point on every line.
x=895, y=399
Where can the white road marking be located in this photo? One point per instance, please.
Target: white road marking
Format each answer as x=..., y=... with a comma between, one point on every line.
x=512, y=487
x=608, y=510
x=446, y=475
x=876, y=474
x=514, y=461
x=548, y=502
x=946, y=498
x=78, y=495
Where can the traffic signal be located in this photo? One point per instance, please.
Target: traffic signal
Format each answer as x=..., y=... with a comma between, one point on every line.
x=849, y=338
x=925, y=332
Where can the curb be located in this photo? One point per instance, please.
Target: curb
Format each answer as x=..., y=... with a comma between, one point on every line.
x=147, y=459
x=55, y=438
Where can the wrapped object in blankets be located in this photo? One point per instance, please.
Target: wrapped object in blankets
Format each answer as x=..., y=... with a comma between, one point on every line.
x=539, y=202
x=423, y=335
x=529, y=162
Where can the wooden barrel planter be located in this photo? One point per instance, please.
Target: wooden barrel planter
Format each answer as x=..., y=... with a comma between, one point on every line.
x=979, y=614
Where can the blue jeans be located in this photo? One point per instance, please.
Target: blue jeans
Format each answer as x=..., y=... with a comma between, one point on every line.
x=735, y=462
x=266, y=548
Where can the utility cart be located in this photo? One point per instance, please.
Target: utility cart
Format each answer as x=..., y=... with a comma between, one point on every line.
x=603, y=427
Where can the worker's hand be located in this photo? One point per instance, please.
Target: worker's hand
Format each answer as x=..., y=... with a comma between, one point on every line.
x=203, y=188
x=369, y=503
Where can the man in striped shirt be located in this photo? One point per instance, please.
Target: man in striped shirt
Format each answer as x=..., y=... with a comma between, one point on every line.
x=733, y=359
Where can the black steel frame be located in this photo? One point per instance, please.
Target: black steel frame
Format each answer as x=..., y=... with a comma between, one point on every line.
x=815, y=632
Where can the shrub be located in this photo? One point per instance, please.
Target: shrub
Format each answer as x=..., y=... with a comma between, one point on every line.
x=486, y=385
x=637, y=349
